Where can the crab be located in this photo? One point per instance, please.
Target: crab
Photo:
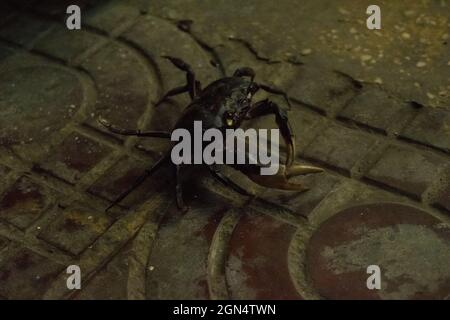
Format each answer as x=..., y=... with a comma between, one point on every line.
x=225, y=103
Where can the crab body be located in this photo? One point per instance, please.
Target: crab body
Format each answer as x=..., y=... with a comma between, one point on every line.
x=225, y=104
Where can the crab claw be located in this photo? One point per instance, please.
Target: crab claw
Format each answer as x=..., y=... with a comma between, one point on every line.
x=280, y=180
x=297, y=170
x=290, y=155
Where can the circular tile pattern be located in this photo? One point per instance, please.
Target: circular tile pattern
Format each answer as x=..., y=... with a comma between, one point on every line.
x=411, y=247
x=36, y=101
x=257, y=266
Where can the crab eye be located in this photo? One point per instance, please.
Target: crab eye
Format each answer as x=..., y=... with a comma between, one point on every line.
x=229, y=119
x=252, y=89
x=245, y=101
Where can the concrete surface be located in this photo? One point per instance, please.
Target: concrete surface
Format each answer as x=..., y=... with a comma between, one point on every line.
x=371, y=107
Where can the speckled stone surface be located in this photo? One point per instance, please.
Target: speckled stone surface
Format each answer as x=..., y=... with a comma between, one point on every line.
x=371, y=107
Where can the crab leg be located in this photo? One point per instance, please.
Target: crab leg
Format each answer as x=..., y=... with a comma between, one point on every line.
x=192, y=85
x=265, y=107
x=140, y=180
x=171, y=93
x=179, y=190
x=276, y=91
x=138, y=133
x=280, y=180
x=227, y=181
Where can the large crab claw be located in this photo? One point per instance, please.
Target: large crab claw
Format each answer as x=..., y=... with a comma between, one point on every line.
x=280, y=180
